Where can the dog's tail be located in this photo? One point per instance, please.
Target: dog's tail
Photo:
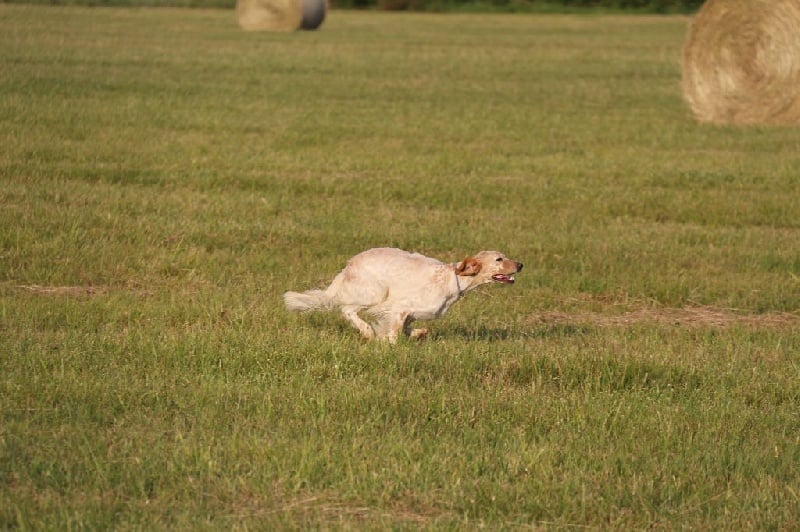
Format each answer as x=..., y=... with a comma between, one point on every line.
x=308, y=300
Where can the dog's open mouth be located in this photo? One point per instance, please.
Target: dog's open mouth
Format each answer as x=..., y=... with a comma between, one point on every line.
x=501, y=278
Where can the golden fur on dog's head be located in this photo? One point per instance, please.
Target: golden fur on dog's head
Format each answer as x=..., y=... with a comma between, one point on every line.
x=490, y=266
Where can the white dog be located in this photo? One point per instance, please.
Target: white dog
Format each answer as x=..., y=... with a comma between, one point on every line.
x=397, y=287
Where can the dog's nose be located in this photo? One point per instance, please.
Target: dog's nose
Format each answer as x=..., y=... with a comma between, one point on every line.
x=519, y=266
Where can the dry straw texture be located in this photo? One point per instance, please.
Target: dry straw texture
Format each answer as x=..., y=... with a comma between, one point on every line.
x=280, y=15
x=273, y=15
x=741, y=62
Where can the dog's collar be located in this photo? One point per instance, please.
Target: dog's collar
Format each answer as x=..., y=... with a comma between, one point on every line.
x=458, y=283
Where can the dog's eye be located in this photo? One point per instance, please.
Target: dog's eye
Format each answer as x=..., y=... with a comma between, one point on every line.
x=499, y=259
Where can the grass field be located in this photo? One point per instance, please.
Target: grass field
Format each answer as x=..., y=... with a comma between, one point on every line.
x=164, y=177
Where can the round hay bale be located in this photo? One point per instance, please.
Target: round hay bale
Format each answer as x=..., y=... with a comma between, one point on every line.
x=313, y=13
x=274, y=15
x=741, y=62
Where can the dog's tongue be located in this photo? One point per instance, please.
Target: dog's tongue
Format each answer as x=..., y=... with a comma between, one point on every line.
x=499, y=277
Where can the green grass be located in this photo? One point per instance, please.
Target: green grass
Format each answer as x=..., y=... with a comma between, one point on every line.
x=164, y=177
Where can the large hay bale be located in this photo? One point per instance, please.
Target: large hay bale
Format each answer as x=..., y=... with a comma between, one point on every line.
x=741, y=62
x=280, y=15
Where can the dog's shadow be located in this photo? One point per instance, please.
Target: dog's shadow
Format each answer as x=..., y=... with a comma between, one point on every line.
x=479, y=333
x=485, y=333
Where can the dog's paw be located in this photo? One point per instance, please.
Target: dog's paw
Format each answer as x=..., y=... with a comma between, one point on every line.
x=419, y=333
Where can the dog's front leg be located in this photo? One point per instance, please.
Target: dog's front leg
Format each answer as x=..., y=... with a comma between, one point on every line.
x=412, y=332
x=418, y=334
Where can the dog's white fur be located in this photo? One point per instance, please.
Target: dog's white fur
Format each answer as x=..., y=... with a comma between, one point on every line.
x=396, y=287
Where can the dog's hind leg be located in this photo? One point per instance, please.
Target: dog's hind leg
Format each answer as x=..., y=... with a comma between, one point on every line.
x=391, y=325
x=351, y=313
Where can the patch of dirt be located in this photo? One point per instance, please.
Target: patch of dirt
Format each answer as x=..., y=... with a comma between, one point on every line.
x=691, y=316
x=83, y=291
x=64, y=290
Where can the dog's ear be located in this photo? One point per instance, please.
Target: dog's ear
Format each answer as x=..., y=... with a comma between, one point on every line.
x=468, y=266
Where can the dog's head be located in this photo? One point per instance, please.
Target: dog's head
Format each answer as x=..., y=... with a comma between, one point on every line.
x=487, y=267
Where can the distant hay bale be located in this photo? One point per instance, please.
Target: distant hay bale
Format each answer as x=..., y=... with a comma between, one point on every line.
x=274, y=15
x=313, y=14
x=741, y=62
x=280, y=15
